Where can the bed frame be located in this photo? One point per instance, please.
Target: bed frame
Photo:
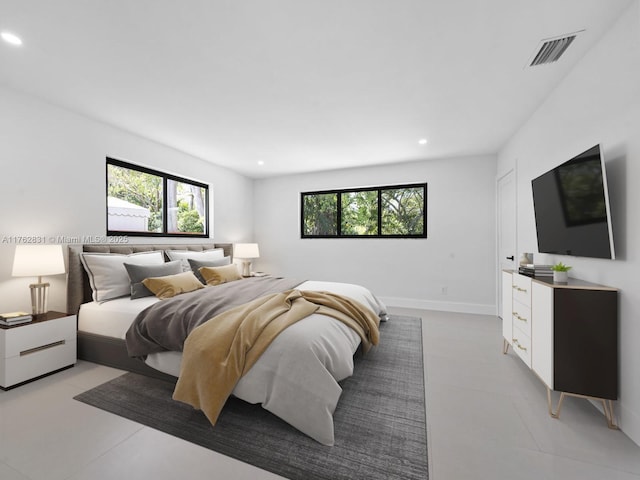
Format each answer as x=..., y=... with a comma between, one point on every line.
x=99, y=348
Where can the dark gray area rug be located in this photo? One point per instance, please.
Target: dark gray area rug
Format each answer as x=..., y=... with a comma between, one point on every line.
x=380, y=421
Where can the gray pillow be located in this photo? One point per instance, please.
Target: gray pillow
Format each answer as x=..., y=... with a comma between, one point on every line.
x=184, y=255
x=197, y=264
x=137, y=273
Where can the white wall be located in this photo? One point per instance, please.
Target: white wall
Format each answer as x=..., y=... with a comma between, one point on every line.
x=53, y=184
x=458, y=255
x=598, y=102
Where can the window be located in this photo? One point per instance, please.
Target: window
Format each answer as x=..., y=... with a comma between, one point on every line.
x=141, y=201
x=397, y=211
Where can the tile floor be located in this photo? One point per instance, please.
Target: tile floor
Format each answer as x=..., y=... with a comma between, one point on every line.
x=487, y=419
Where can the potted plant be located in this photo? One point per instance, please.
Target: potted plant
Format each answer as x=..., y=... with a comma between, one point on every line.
x=560, y=272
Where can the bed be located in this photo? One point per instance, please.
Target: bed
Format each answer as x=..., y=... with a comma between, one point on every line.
x=303, y=393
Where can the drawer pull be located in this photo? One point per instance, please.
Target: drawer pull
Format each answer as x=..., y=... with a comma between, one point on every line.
x=43, y=347
x=521, y=289
x=515, y=342
x=522, y=319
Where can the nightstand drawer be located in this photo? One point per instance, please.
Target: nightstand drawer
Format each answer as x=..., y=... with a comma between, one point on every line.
x=31, y=350
x=37, y=334
x=34, y=363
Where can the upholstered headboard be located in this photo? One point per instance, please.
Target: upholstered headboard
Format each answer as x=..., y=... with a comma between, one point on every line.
x=78, y=288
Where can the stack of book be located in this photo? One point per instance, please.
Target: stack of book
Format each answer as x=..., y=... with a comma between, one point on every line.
x=15, y=318
x=532, y=270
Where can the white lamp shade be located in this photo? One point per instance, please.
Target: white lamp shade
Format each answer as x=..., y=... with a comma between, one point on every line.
x=246, y=250
x=38, y=260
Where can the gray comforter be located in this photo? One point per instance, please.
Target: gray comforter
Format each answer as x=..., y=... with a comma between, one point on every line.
x=165, y=325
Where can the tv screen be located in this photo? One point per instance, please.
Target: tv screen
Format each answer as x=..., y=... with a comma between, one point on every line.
x=571, y=206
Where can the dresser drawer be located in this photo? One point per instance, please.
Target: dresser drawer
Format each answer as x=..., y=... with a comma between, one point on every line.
x=522, y=289
x=38, y=334
x=522, y=345
x=34, y=363
x=521, y=317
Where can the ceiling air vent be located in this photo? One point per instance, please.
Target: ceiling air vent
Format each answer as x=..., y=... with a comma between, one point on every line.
x=552, y=49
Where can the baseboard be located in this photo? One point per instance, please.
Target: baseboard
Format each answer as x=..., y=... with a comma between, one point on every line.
x=629, y=422
x=458, y=307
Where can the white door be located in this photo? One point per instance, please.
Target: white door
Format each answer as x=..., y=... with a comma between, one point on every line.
x=506, y=229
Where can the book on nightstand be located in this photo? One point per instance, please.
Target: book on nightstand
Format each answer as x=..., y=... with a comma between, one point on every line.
x=15, y=318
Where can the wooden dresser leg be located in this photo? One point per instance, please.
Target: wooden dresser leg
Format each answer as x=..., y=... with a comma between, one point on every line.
x=550, y=406
x=607, y=406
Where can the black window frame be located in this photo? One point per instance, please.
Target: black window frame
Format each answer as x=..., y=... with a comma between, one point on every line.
x=165, y=178
x=379, y=190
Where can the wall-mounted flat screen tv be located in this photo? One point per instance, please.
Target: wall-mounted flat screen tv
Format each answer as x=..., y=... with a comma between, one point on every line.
x=571, y=204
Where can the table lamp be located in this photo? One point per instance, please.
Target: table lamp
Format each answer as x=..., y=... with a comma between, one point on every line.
x=246, y=252
x=38, y=261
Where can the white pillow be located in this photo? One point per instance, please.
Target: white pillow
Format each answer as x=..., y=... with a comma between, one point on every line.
x=107, y=274
x=185, y=255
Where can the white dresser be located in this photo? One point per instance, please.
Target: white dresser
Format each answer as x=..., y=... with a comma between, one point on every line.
x=30, y=350
x=566, y=333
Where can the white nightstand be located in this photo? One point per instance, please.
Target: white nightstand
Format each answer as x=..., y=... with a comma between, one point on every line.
x=31, y=350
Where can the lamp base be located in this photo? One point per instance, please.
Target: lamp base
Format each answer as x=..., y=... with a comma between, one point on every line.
x=39, y=297
x=246, y=269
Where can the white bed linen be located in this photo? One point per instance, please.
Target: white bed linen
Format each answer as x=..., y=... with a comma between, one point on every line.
x=112, y=318
x=297, y=376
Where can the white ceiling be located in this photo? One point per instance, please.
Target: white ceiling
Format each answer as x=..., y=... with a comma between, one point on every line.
x=302, y=85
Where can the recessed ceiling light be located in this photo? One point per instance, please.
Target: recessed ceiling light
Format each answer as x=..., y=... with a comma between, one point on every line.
x=260, y=162
x=422, y=141
x=11, y=38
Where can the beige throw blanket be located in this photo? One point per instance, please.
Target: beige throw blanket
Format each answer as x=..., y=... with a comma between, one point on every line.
x=219, y=352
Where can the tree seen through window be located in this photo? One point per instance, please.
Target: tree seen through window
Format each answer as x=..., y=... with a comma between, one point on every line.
x=393, y=211
x=142, y=201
